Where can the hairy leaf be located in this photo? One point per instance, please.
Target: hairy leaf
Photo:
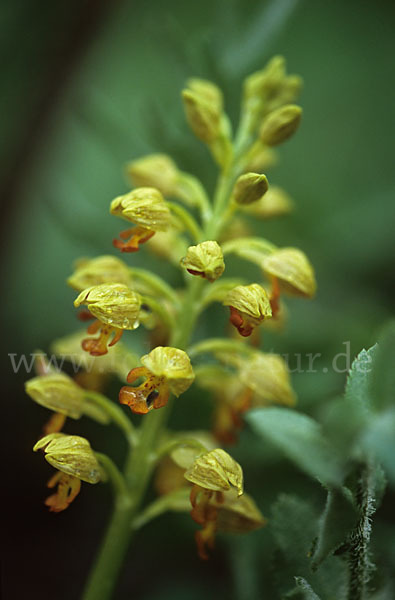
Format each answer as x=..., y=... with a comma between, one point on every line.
x=339, y=517
x=300, y=438
x=382, y=383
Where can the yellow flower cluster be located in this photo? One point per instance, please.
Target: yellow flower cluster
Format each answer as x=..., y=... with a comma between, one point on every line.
x=170, y=210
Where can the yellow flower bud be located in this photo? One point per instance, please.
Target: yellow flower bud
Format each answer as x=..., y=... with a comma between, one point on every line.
x=58, y=392
x=208, y=91
x=267, y=376
x=238, y=515
x=103, y=269
x=165, y=370
x=260, y=158
x=293, y=271
x=270, y=88
x=280, y=124
x=290, y=90
x=266, y=83
x=217, y=471
x=113, y=304
x=155, y=170
x=202, y=115
x=144, y=206
x=275, y=203
x=249, y=188
x=249, y=306
x=205, y=260
x=70, y=454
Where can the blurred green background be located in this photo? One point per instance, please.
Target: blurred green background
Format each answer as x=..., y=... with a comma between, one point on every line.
x=90, y=85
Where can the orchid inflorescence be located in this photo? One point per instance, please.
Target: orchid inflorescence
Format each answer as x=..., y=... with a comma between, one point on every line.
x=163, y=211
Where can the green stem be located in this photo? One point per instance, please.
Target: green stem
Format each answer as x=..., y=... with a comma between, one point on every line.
x=116, y=415
x=141, y=461
x=187, y=220
x=177, y=500
x=112, y=552
x=116, y=477
x=190, y=187
x=165, y=316
x=220, y=345
x=251, y=243
x=156, y=284
x=360, y=566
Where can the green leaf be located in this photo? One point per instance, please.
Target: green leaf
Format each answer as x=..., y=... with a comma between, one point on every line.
x=302, y=590
x=382, y=384
x=294, y=525
x=339, y=517
x=347, y=416
x=379, y=439
x=358, y=381
x=300, y=439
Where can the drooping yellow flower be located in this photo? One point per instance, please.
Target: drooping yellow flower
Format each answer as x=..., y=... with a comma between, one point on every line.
x=60, y=393
x=165, y=370
x=216, y=471
x=95, y=271
x=238, y=515
x=267, y=376
x=115, y=307
x=249, y=306
x=291, y=273
x=293, y=270
x=146, y=207
x=213, y=473
x=205, y=260
x=155, y=170
x=75, y=461
x=259, y=379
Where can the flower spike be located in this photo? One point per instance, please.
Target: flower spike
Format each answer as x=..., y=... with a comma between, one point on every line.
x=165, y=370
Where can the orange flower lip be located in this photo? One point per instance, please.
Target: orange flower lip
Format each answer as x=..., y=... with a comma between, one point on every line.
x=240, y=321
x=153, y=393
x=132, y=237
x=98, y=346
